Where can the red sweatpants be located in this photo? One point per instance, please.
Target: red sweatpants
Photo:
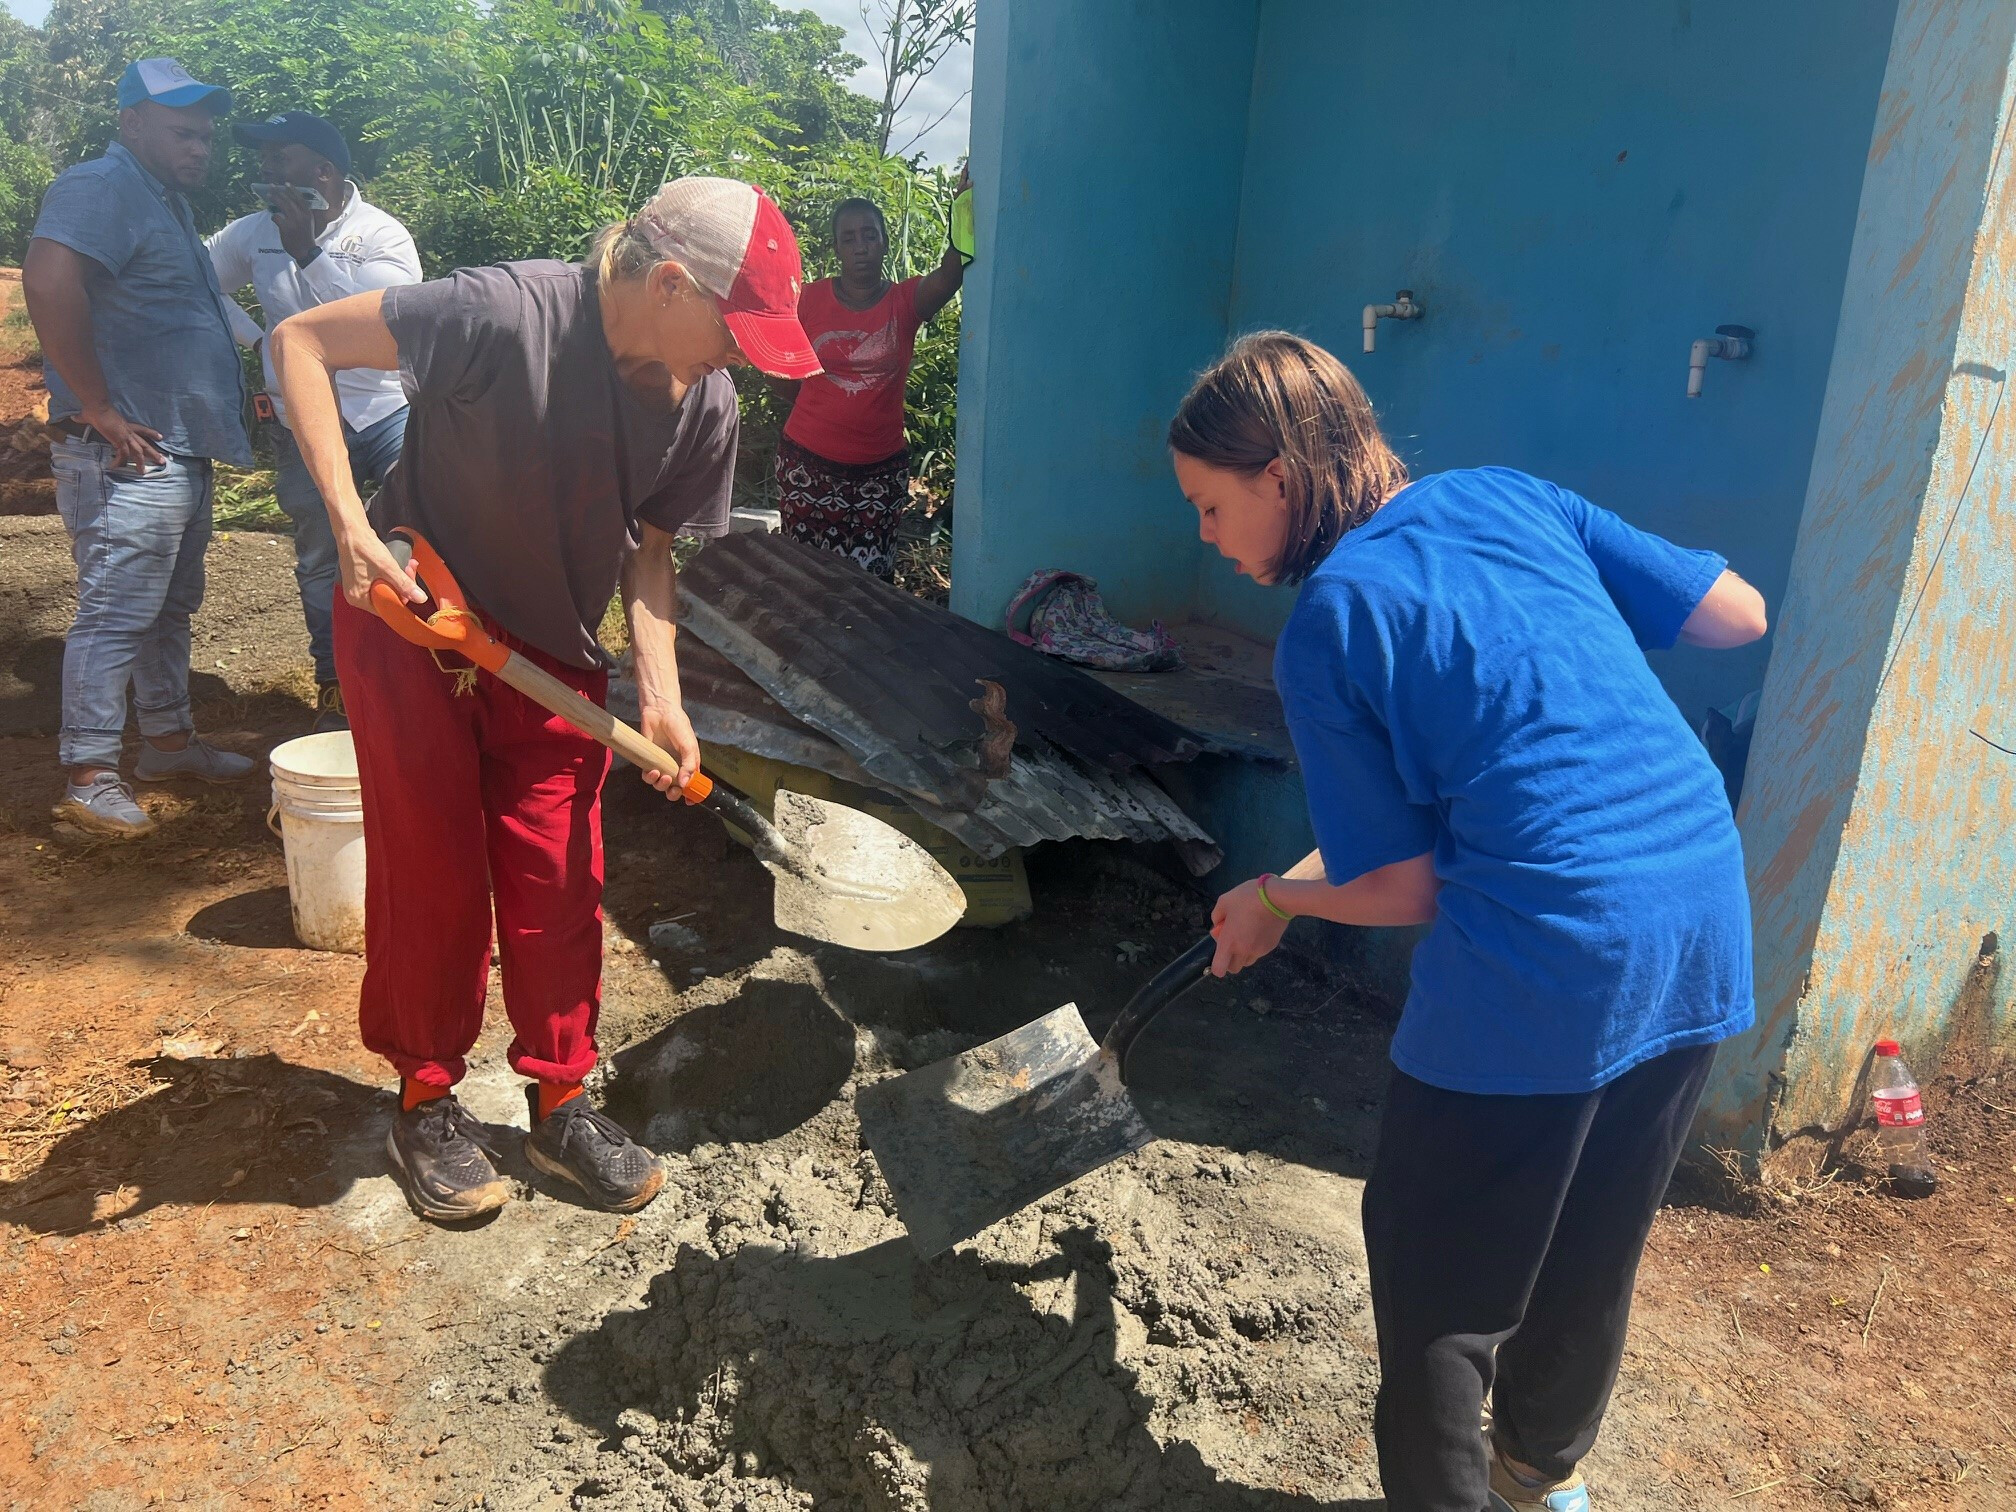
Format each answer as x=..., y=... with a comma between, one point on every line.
x=471, y=791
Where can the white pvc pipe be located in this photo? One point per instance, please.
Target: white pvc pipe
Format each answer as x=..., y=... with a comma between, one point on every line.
x=1732, y=343
x=1697, y=363
x=1403, y=308
x=1372, y=314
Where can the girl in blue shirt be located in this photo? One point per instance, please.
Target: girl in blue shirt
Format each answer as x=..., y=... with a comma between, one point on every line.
x=1487, y=753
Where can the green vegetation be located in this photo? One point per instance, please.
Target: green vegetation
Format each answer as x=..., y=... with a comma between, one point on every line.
x=17, y=337
x=25, y=164
x=246, y=501
x=501, y=129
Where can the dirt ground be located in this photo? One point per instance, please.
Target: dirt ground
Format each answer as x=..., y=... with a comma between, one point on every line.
x=26, y=486
x=212, y=1296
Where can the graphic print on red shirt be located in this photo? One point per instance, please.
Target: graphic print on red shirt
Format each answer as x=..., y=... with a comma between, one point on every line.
x=853, y=411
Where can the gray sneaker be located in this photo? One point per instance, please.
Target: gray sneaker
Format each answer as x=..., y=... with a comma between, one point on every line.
x=105, y=806
x=197, y=759
x=584, y=1145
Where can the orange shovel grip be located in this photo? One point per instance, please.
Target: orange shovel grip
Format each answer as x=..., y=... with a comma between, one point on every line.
x=452, y=626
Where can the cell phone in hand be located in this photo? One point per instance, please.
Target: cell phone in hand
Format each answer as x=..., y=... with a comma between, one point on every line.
x=271, y=194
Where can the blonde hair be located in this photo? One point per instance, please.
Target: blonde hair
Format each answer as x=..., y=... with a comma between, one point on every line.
x=1275, y=395
x=621, y=251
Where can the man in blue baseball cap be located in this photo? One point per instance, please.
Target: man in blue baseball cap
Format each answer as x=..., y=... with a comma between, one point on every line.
x=317, y=241
x=163, y=81
x=146, y=391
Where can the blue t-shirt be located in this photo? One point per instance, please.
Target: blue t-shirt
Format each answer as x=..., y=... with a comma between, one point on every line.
x=1464, y=675
x=158, y=321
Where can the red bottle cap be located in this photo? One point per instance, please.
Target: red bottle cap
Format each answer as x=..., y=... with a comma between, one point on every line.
x=1888, y=1047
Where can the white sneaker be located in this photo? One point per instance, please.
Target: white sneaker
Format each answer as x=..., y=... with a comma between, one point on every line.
x=105, y=806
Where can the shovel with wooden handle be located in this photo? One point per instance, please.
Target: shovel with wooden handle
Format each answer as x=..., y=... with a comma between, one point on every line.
x=966, y=1142
x=842, y=876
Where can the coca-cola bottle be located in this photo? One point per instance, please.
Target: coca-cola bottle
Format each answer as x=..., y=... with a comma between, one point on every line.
x=1900, y=1123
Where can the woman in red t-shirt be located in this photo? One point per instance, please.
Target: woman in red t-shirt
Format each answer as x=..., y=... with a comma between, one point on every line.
x=843, y=472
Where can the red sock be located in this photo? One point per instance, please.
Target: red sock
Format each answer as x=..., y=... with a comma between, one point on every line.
x=553, y=1094
x=413, y=1093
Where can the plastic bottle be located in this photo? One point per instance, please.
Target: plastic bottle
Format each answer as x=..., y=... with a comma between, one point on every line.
x=1900, y=1123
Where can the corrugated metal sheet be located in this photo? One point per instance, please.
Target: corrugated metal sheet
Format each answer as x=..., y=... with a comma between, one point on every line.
x=728, y=709
x=799, y=656
x=1045, y=795
x=895, y=680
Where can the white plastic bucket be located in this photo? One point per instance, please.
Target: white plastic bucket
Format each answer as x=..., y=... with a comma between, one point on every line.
x=320, y=811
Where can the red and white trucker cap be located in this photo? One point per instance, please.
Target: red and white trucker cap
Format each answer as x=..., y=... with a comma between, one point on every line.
x=739, y=248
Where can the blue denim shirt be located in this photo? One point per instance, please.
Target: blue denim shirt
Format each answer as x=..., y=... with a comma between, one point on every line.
x=157, y=315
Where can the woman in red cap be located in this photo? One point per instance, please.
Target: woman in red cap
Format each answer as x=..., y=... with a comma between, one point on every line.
x=567, y=421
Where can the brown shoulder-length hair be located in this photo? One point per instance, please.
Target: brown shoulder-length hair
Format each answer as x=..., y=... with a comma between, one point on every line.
x=1276, y=395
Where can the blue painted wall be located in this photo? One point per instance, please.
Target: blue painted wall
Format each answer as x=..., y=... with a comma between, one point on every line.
x=1876, y=818
x=1575, y=190
x=1108, y=143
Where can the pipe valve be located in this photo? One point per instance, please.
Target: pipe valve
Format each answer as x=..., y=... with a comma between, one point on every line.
x=1402, y=308
x=1730, y=342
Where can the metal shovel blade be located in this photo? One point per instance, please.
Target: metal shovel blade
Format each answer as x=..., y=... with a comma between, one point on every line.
x=852, y=880
x=968, y=1141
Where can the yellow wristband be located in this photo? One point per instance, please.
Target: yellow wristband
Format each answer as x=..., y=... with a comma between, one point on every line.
x=1271, y=906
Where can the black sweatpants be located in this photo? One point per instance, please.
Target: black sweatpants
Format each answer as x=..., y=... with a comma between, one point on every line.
x=1503, y=1235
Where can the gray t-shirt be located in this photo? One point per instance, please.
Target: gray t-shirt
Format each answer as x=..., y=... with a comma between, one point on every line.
x=528, y=461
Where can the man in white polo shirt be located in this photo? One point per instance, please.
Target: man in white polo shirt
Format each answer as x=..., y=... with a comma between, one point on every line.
x=296, y=255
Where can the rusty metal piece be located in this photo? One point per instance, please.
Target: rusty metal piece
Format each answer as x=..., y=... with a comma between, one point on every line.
x=998, y=746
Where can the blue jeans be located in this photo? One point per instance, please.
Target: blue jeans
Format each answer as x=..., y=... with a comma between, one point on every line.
x=373, y=450
x=138, y=541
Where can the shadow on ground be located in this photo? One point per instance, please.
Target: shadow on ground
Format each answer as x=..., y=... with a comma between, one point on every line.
x=746, y=1070
x=667, y=861
x=878, y=1379
x=262, y=919
x=35, y=668
x=1303, y=1080
x=259, y=1129
x=256, y=1129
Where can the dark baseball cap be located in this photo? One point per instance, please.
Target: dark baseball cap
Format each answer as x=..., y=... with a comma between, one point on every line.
x=310, y=131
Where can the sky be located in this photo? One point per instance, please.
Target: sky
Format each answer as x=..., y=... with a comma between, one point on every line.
x=943, y=91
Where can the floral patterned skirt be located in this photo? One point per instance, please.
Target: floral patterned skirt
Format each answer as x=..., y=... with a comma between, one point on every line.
x=843, y=508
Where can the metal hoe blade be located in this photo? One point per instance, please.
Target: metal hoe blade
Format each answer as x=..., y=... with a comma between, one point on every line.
x=968, y=1141
x=856, y=881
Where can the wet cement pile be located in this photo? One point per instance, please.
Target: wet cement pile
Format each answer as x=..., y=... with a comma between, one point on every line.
x=1186, y=1329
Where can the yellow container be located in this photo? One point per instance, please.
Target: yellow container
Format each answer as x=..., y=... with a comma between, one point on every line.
x=997, y=890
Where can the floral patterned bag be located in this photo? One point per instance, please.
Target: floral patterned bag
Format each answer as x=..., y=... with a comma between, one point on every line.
x=1067, y=619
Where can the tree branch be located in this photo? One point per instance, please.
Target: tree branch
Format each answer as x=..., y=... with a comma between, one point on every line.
x=910, y=146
